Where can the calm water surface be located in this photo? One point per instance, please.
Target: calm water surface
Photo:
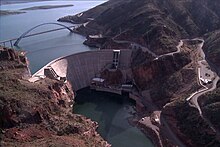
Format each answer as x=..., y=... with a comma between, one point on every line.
x=43, y=48
x=111, y=112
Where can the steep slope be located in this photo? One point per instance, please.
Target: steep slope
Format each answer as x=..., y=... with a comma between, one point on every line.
x=211, y=106
x=39, y=114
x=190, y=126
x=212, y=48
x=160, y=23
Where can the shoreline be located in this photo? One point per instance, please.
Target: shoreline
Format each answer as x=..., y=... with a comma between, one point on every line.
x=45, y=7
x=24, y=10
x=9, y=12
x=151, y=133
x=148, y=131
x=20, y=2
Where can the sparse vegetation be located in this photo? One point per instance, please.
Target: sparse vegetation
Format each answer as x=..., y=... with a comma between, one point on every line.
x=30, y=113
x=190, y=122
x=159, y=24
x=211, y=107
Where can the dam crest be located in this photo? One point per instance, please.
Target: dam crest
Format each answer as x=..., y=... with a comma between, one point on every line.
x=79, y=69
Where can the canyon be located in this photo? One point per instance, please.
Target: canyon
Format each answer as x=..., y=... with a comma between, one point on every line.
x=40, y=112
x=156, y=27
x=145, y=50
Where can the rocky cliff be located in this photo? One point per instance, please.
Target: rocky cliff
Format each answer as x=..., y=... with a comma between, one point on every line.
x=212, y=48
x=190, y=126
x=33, y=114
x=210, y=104
x=168, y=77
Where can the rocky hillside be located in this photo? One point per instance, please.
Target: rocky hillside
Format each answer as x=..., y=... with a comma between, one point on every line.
x=212, y=48
x=160, y=23
x=39, y=114
x=211, y=106
x=189, y=126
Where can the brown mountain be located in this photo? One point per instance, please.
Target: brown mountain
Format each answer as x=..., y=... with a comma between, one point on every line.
x=39, y=114
x=160, y=23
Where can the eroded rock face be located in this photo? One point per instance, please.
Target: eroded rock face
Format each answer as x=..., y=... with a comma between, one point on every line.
x=210, y=106
x=9, y=58
x=147, y=74
x=166, y=78
x=63, y=94
x=112, y=77
x=189, y=126
x=12, y=55
x=40, y=112
x=212, y=49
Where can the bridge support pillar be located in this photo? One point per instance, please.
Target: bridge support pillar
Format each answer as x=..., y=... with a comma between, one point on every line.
x=11, y=44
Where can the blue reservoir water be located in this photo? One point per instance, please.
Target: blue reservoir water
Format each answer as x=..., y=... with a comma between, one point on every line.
x=112, y=112
x=43, y=48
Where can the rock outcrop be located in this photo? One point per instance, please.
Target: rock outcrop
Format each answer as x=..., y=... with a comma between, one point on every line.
x=190, y=126
x=40, y=113
x=210, y=104
x=11, y=59
x=212, y=49
x=112, y=77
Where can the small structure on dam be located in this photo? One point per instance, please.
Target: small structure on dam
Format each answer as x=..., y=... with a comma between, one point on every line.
x=81, y=68
x=103, y=70
x=116, y=55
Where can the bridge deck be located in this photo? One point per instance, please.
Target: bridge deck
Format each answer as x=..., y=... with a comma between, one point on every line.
x=3, y=42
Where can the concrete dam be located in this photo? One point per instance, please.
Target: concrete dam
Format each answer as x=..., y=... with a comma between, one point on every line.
x=79, y=69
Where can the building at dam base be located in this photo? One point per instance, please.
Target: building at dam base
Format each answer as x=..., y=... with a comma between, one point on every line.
x=82, y=68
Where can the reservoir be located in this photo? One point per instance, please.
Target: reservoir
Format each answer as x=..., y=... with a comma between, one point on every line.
x=112, y=112
x=109, y=110
x=43, y=48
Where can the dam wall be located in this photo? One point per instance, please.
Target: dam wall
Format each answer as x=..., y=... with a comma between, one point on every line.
x=80, y=68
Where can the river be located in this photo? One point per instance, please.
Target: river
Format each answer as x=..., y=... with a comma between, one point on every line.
x=110, y=111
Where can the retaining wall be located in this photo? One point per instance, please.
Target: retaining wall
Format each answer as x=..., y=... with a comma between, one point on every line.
x=80, y=68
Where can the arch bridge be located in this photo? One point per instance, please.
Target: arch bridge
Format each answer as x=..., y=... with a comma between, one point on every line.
x=51, y=23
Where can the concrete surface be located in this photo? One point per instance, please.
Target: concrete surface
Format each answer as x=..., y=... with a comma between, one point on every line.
x=80, y=68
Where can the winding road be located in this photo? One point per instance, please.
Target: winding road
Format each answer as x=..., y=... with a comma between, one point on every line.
x=171, y=53
x=135, y=45
x=145, y=49
x=193, y=98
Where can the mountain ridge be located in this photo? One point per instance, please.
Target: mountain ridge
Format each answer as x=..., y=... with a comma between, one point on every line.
x=159, y=23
